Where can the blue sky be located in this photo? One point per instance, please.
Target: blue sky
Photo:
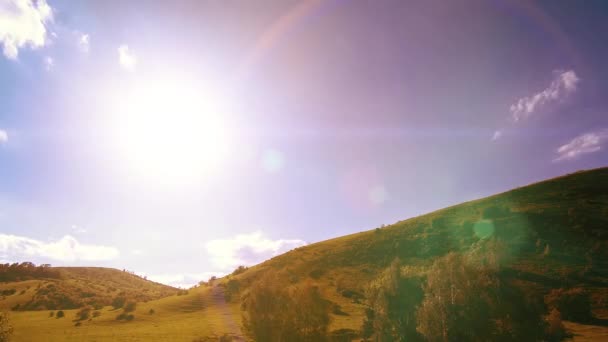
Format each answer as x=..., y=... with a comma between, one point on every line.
x=181, y=139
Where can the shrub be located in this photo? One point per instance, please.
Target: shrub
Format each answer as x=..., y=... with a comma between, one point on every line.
x=60, y=314
x=494, y=212
x=555, y=328
x=84, y=313
x=465, y=300
x=52, y=314
x=151, y=312
x=274, y=312
x=118, y=302
x=6, y=329
x=573, y=304
x=239, y=270
x=316, y=274
x=392, y=300
x=130, y=307
x=125, y=317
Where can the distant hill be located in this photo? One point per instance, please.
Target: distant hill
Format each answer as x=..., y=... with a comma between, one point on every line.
x=51, y=288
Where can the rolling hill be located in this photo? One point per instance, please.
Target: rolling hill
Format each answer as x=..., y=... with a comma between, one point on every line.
x=555, y=235
x=73, y=287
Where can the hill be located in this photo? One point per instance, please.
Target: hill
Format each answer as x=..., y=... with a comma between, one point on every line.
x=54, y=288
x=554, y=248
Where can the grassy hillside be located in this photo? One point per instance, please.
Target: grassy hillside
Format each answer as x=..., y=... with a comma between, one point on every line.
x=555, y=235
x=75, y=287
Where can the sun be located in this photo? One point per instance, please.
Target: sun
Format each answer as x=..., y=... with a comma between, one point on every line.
x=171, y=132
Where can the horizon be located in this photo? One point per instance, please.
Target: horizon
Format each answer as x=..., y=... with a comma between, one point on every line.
x=167, y=140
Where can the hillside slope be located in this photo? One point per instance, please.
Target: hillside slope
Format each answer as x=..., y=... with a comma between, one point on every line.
x=556, y=233
x=74, y=287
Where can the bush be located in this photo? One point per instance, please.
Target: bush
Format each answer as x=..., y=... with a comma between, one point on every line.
x=494, y=212
x=239, y=270
x=465, y=300
x=392, y=300
x=125, y=317
x=233, y=287
x=118, y=302
x=151, y=312
x=84, y=313
x=573, y=304
x=316, y=274
x=6, y=329
x=130, y=307
x=52, y=314
x=60, y=314
x=555, y=328
x=274, y=312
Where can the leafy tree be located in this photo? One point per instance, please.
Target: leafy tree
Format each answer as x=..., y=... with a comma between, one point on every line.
x=6, y=329
x=274, y=312
x=465, y=299
x=393, y=299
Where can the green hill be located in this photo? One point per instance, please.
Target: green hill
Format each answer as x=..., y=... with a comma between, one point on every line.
x=554, y=233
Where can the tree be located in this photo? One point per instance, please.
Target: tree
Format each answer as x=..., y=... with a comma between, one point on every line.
x=465, y=299
x=274, y=312
x=59, y=314
x=6, y=329
x=393, y=299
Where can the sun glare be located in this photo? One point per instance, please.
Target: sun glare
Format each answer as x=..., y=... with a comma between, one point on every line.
x=170, y=133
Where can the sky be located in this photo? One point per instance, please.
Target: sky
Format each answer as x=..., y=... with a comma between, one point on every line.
x=181, y=139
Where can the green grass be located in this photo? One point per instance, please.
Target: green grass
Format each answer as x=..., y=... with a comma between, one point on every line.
x=568, y=214
x=176, y=318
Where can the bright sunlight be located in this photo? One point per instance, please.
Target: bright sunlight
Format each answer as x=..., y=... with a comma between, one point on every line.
x=171, y=132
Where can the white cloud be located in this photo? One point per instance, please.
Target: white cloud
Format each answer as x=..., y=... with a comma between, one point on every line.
x=496, y=135
x=84, y=42
x=78, y=229
x=564, y=83
x=14, y=247
x=49, y=63
x=3, y=136
x=247, y=249
x=583, y=144
x=127, y=58
x=23, y=23
x=183, y=280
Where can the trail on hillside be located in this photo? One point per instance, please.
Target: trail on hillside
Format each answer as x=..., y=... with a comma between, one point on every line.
x=217, y=295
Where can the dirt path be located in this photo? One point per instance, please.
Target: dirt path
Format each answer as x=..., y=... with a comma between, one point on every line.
x=219, y=301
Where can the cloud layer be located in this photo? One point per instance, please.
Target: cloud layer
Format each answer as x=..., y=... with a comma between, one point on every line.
x=564, y=83
x=247, y=249
x=126, y=57
x=23, y=23
x=583, y=144
x=66, y=249
x=3, y=136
